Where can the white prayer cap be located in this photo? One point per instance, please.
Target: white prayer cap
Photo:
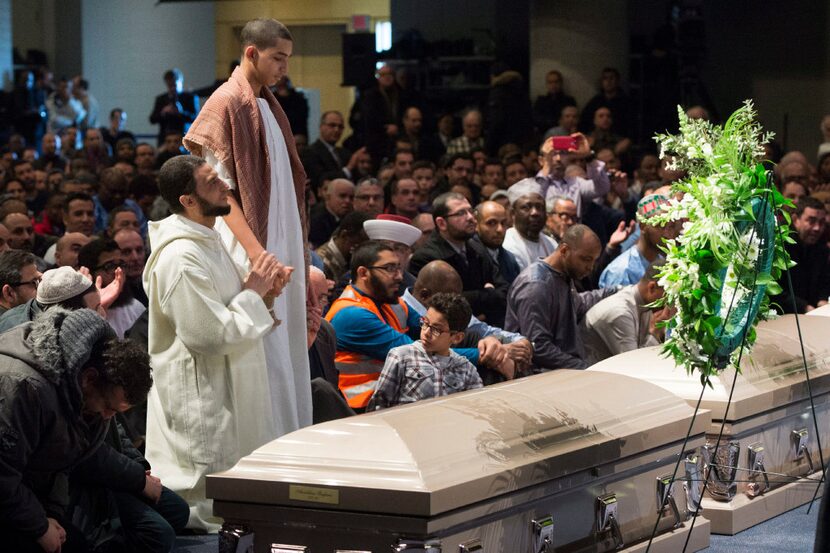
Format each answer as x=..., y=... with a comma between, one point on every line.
x=57, y=285
x=499, y=194
x=393, y=228
x=523, y=188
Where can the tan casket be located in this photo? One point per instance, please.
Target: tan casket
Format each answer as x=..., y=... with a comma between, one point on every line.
x=769, y=428
x=564, y=461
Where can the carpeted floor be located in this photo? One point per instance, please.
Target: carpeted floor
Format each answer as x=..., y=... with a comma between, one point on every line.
x=791, y=532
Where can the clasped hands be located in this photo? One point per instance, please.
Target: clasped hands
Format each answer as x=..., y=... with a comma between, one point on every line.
x=267, y=276
x=506, y=359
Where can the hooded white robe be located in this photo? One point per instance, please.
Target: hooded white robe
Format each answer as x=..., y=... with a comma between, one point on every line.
x=209, y=404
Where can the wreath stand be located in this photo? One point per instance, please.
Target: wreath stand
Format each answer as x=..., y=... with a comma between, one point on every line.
x=736, y=338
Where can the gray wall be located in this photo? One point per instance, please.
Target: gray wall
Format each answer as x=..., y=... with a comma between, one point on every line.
x=53, y=27
x=129, y=44
x=777, y=53
x=494, y=26
x=442, y=19
x=577, y=38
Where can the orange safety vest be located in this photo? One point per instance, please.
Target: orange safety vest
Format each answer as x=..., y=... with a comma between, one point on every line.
x=359, y=373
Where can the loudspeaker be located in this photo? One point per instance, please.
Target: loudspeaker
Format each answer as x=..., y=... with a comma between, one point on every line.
x=359, y=59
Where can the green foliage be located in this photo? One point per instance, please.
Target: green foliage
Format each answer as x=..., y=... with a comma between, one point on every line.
x=713, y=270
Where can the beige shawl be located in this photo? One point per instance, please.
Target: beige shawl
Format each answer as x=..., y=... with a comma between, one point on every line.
x=229, y=125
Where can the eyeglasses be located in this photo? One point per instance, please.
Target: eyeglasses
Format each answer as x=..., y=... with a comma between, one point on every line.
x=111, y=266
x=388, y=269
x=460, y=213
x=434, y=331
x=567, y=216
x=33, y=283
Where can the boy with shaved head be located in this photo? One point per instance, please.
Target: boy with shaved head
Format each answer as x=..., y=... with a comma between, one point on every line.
x=244, y=135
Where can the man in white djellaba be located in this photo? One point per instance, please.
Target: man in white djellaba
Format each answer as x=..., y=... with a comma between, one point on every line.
x=243, y=133
x=209, y=404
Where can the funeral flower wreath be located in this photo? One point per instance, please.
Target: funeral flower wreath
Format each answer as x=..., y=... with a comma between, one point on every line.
x=723, y=268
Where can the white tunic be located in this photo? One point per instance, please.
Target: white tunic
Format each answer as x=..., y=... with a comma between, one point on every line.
x=209, y=405
x=286, y=351
x=527, y=251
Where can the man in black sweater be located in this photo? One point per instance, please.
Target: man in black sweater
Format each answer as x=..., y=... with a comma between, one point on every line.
x=811, y=274
x=455, y=225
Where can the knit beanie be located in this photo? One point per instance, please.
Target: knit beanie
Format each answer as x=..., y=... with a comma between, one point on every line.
x=62, y=340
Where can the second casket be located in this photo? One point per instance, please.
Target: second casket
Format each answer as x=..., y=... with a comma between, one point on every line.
x=563, y=461
x=768, y=460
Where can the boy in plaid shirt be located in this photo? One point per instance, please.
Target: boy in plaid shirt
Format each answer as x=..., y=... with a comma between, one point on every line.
x=429, y=368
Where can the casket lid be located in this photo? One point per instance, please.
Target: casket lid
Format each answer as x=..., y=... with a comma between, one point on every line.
x=442, y=454
x=772, y=376
x=823, y=311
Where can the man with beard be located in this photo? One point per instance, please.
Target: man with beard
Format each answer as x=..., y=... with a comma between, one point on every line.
x=458, y=170
x=19, y=278
x=491, y=227
x=63, y=378
x=50, y=158
x=811, y=274
x=103, y=258
x=206, y=340
x=455, y=223
x=370, y=318
x=525, y=239
x=113, y=191
x=543, y=304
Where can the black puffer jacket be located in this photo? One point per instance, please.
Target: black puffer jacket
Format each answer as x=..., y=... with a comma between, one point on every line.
x=43, y=435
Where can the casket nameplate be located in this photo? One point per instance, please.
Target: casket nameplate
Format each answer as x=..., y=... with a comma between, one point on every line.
x=313, y=494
